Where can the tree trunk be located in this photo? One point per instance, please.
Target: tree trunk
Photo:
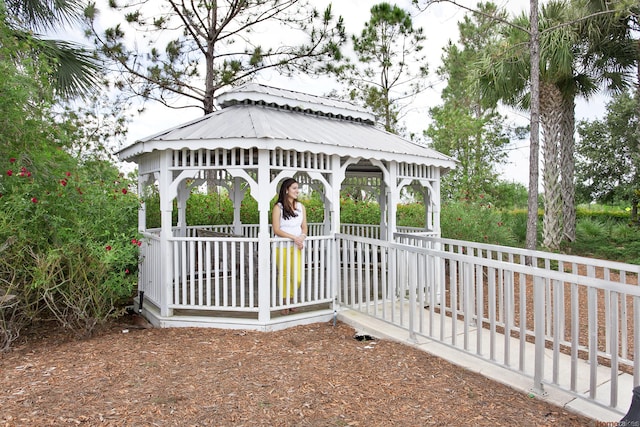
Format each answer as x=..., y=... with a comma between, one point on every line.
x=567, y=168
x=551, y=120
x=534, y=145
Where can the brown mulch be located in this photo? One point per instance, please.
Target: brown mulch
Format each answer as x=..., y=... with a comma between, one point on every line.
x=315, y=375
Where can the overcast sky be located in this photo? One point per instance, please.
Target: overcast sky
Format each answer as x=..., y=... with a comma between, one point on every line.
x=439, y=22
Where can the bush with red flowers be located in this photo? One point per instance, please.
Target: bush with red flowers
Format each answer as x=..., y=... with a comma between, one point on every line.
x=68, y=221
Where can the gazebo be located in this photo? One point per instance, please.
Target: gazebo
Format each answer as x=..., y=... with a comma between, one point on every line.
x=226, y=276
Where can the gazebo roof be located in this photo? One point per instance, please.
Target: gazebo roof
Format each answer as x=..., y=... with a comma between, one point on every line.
x=257, y=116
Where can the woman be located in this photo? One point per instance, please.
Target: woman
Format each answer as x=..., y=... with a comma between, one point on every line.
x=289, y=220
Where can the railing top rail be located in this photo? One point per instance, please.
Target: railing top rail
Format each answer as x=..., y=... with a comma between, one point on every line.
x=544, y=273
x=283, y=239
x=369, y=240
x=148, y=235
x=634, y=268
x=214, y=239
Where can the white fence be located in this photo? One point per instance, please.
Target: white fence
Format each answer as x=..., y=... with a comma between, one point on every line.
x=221, y=273
x=567, y=322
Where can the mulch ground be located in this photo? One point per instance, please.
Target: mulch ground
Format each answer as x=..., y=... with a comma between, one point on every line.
x=315, y=375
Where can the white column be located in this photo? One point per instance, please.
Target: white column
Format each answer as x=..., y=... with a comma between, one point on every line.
x=394, y=198
x=166, y=249
x=237, y=196
x=382, y=202
x=183, y=196
x=264, y=245
x=337, y=176
x=142, y=210
x=437, y=203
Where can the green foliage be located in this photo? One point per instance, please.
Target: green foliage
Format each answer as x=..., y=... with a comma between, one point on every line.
x=609, y=240
x=226, y=45
x=602, y=212
x=68, y=225
x=467, y=126
x=203, y=209
x=508, y=195
x=608, y=161
x=475, y=221
x=411, y=215
x=390, y=67
x=315, y=210
x=359, y=212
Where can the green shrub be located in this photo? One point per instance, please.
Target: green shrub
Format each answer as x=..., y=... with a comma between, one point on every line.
x=69, y=238
x=359, y=212
x=475, y=222
x=411, y=215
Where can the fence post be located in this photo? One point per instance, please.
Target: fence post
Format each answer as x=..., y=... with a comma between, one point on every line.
x=539, y=333
x=412, y=283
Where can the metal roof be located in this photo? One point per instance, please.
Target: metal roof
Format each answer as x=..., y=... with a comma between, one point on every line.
x=269, y=118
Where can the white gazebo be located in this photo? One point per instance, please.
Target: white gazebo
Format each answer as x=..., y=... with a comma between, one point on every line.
x=224, y=276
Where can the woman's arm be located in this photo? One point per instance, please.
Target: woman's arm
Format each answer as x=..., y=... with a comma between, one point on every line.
x=275, y=222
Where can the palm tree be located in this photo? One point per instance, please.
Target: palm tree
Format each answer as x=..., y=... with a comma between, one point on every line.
x=607, y=57
x=72, y=69
x=573, y=62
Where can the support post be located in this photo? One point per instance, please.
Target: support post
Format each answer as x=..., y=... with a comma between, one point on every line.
x=264, y=244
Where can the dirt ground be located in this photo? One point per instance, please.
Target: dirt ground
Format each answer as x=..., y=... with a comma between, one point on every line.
x=315, y=375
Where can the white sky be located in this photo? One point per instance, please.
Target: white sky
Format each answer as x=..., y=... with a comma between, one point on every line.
x=440, y=25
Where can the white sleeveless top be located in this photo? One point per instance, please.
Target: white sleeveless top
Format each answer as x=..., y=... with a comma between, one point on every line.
x=293, y=225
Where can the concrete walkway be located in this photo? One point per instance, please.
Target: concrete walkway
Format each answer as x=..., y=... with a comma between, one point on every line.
x=370, y=325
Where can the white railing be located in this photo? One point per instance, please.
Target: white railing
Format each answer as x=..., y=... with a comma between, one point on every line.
x=563, y=321
x=214, y=273
x=309, y=273
x=221, y=273
x=149, y=275
x=315, y=229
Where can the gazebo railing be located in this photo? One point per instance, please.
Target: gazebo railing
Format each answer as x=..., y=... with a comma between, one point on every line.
x=150, y=275
x=315, y=229
x=312, y=270
x=221, y=273
x=214, y=273
x=202, y=284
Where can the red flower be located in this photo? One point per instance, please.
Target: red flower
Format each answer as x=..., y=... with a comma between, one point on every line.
x=68, y=173
x=108, y=247
x=124, y=191
x=9, y=172
x=34, y=200
x=63, y=182
x=12, y=160
x=126, y=271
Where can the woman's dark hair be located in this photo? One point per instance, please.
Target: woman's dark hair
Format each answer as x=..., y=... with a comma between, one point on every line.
x=288, y=209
